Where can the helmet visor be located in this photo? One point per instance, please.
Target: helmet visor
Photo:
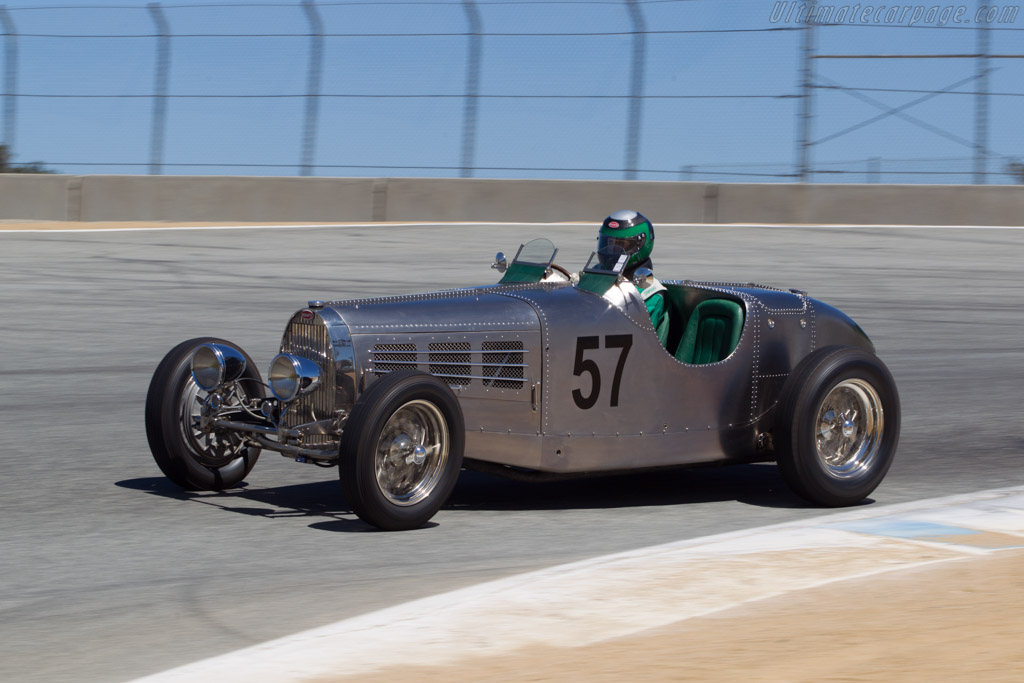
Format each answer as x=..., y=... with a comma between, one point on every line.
x=628, y=245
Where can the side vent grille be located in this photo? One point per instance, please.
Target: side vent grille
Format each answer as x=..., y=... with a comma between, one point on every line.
x=451, y=362
x=503, y=364
x=390, y=357
x=500, y=366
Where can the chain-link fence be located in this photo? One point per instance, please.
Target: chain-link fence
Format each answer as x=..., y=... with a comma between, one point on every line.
x=589, y=89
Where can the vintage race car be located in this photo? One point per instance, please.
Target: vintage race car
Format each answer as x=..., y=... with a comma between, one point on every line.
x=544, y=374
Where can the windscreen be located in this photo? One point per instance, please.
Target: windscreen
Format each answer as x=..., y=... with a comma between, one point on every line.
x=538, y=252
x=609, y=259
x=531, y=261
x=603, y=269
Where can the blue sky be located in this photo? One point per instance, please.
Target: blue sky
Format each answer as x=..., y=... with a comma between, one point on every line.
x=401, y=136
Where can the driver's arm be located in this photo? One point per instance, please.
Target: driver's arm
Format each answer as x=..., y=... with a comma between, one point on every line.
x=656, y=309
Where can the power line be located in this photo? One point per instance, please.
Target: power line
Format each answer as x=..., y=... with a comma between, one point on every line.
x=458, y=96
x=898, y=111
x=446, y=34
x=888, y=113
x=964, y=172
x=696, y=169
x=414, y=167
x=251, y=5
x=471, y=95
x=847, y=162
x=914, y=90
x=932, y=56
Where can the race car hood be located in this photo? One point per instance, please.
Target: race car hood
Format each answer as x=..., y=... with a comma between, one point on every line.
x=464, y=310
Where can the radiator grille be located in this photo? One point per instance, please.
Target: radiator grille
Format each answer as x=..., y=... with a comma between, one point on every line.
x=451, y=362
x=310, y=339
x=498, y=357
x=390, y=357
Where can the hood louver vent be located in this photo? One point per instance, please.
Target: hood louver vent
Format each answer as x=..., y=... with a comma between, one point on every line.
x=503, y=364
x=390, y=357
x=500, y=364
x=450, y=361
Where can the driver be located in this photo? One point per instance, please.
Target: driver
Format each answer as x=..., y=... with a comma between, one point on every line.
x=634, y=234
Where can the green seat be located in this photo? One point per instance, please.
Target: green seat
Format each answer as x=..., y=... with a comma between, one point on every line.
x=711, y=333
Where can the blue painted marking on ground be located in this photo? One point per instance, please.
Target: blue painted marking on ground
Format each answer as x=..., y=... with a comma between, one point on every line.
x=902, y=528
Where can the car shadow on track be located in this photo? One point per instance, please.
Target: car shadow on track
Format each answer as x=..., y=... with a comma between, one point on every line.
x=756, y=485
x=320, y=499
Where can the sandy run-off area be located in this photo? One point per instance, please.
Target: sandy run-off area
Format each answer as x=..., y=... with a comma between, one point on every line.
x=961, y=620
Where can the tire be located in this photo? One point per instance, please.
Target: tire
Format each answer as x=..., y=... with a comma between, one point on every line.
x=190, y=458
x=838, y=426
x=394, y=479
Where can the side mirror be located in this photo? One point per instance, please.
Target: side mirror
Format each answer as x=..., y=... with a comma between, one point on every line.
x=642, y=278
x=500, y=264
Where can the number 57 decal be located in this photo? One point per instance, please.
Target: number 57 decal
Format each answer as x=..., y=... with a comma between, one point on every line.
x=589, y=366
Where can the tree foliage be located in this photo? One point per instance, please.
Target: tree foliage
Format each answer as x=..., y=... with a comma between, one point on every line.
x=1016, y=169
x=7, y=165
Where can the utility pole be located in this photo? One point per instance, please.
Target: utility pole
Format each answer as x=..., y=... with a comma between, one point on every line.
x=981, y=108
x=160, y=79
x=636, y=90
x=10, y=33
x=874, y=169
x=470, y=111
x=313, y=80
x=804, y=143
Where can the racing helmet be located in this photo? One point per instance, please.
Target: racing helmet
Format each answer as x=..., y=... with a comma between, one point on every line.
x=628, y=231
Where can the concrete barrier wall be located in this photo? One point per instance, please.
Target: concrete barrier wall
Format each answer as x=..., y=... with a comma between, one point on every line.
x=213, y=198
x=35, y=197
x=318, y=200
x=538, y=200
x=762, y=203
x=915, y=204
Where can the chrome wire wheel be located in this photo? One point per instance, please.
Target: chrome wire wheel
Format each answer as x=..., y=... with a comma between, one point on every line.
x=193, y=458
x=849, y=428
x=411, y=453
x=213, y=449
x=839, y=425
x=401, y=450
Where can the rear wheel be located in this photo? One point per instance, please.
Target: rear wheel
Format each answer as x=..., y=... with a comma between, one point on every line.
x=193, y=459
x=839, y=423
x=401, y=450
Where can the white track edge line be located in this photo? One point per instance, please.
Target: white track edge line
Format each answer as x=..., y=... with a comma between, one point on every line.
x=475, y=591
x=455, y=224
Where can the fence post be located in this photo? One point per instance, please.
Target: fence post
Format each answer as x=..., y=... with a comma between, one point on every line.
x=469, y=115
x=10, y=33
x=636, y=89
x=874, y=169
x=162, y=74
x=981, y=107
x=313, y=80
x=804, y=142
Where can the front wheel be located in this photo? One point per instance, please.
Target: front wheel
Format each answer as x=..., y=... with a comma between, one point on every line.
x=838, y=426
x=401, y=450
x=193, y=459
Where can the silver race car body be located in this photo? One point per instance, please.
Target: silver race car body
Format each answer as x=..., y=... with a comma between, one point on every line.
x=554, y=378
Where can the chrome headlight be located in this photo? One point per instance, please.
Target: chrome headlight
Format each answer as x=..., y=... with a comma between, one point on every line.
x=291, y=376
x=214, y=365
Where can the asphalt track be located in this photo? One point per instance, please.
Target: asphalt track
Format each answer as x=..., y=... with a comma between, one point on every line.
x=109, y=573
x=629, y=601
